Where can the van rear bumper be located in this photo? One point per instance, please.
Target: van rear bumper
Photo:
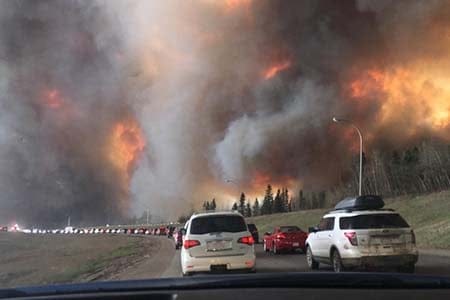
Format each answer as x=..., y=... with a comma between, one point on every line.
x=381, y=261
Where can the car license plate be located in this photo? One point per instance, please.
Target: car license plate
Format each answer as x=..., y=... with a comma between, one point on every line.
x=295, y=244
x=218, y=245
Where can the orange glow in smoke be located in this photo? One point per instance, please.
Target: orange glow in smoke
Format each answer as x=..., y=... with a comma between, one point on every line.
x=126, y=145
x=52, y=99
x=275, y=69
x=260, y=180
x=234, y=4
x=423, y=93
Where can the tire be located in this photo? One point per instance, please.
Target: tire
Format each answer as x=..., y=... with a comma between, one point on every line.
x=409, y=268
x=274, y=249
x=336, y=262
x=312, y=264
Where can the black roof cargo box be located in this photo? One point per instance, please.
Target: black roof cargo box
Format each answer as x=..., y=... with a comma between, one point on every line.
x=365, y=202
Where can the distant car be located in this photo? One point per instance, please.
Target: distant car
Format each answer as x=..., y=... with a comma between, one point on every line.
x=254, y=231
x=178, y=238
x=4, y=228
x=218, y=241
x=359, y=233
x=285, y=238
x=162, y=230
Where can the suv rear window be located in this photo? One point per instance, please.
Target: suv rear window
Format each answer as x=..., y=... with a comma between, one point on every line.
x=208, y=224
x=373, y=221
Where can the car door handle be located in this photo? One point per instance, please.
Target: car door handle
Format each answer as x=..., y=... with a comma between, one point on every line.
x=330, y=235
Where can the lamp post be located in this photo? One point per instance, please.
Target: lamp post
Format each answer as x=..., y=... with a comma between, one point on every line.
x=336, y=120
x=235, y=184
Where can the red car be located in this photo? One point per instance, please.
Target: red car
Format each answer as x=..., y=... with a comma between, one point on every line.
x=285, y=238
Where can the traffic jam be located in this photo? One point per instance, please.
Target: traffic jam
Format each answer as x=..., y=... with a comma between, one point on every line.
x=359, y=233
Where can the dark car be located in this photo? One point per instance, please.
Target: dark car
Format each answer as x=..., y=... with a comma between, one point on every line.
x=254, y=231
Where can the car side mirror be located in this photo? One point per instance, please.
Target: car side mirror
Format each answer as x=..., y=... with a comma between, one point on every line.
x=313, y=229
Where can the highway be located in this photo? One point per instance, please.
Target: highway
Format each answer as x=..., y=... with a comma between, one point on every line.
x=166, y=263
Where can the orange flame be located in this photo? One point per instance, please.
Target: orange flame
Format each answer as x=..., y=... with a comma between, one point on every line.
x=126, y=144
x=275, y=69
x=425, y=93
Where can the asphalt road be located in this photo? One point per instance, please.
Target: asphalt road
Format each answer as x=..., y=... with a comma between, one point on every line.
x=429, y=264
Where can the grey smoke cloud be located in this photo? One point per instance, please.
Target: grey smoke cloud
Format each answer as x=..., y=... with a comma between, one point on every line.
x=191, y=74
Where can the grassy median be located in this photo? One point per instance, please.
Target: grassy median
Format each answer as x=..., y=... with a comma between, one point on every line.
x=429, y=215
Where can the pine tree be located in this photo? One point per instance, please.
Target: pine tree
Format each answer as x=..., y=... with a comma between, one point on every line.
x=242, y=204
x=277, y=203
x=301, y=200
x=207, y=206
x=290, y=205
x=213, y=205
x=266, y=207
x=235, y=206
x=248, y=210
x=284, y=200
x=256, y=209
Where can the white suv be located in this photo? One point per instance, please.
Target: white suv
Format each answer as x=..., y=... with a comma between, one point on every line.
x=217, y=241
x=359, y=233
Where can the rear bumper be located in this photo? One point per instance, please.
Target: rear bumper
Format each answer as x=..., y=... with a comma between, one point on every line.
x=381, y=261
x=203, y=264
x=289, y=245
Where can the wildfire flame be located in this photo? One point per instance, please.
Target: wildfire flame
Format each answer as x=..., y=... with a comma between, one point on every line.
x=127, y=143
x=425, y=93
x=275, y=69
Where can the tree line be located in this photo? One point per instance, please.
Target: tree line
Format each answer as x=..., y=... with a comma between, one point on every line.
x=419, y=169
x=279, y=203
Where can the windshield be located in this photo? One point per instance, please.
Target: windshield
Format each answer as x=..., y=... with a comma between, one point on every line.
x=373, y=222
x=124, y=121
x=214, y=224
x=289, y=229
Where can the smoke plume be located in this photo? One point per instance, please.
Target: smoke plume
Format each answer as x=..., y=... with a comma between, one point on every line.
x=109, y=108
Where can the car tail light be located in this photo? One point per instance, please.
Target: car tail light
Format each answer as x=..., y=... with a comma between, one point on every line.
x=351, y=236
x=246, y=240
x=281, y=236
x=190, y=243
x=413, y=237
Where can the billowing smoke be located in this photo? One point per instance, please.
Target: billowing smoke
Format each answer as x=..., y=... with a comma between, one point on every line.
x=113, y=107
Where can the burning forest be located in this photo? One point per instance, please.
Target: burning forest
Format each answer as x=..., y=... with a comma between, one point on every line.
x=109, y=108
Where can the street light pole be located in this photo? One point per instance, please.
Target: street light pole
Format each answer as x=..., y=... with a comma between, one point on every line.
x=336, y=120
x=235, y=184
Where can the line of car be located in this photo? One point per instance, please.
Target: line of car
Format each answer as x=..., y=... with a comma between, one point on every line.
x=161, y=231
x=358, y=234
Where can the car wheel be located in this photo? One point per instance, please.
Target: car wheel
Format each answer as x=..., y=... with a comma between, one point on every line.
x=337, y=262
x=409, y=268
x=312, y=264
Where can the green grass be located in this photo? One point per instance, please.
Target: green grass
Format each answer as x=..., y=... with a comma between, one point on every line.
x=429, y=215
x=98, y=264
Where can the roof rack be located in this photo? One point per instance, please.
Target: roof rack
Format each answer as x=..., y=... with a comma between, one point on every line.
x=366, y=202
x=349, y=210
